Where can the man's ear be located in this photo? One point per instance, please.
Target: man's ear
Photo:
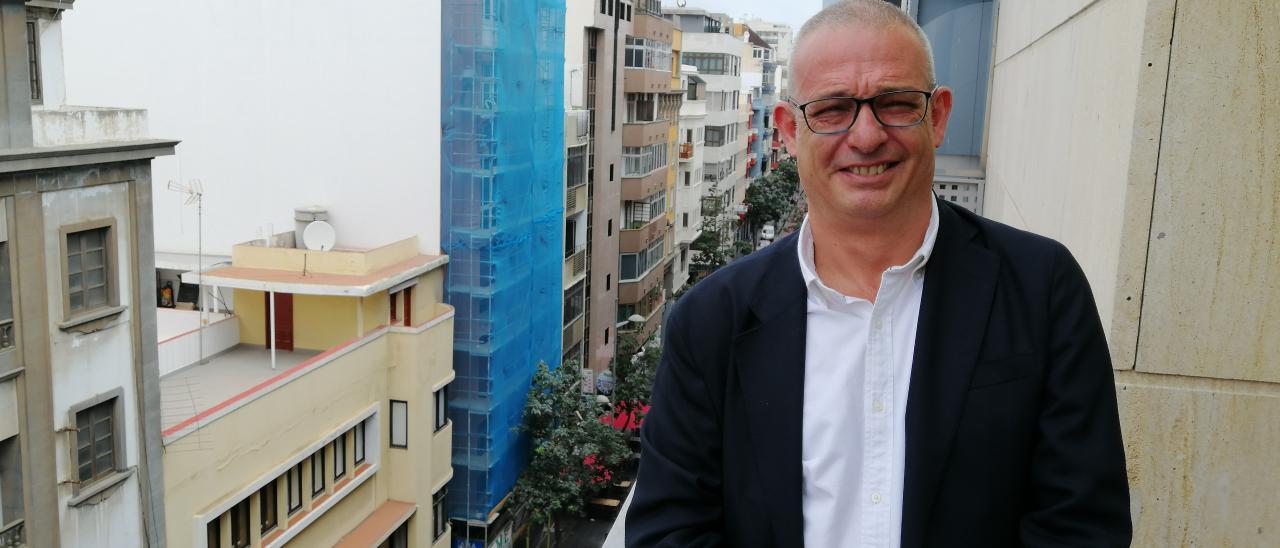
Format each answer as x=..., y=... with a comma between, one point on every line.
x=939, y=114
x=784, y=116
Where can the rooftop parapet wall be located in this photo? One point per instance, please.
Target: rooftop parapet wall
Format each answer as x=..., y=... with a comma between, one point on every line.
x=72, y=125
x=342, y=262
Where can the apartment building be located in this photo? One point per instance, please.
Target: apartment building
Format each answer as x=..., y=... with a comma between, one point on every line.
x=781, y=40
x=503, y=181
x=321, y=415
x=80, y=461
x=718, y=55
x=759, y=81
x=689, y=181
x=649, y=144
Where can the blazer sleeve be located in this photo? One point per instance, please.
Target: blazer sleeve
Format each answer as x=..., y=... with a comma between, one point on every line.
x=1078, y=492
x=677, y=498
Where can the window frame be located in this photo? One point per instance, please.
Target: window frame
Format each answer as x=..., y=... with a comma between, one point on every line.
x=339, y=445
x=359, y=438
x=317, y=490
x=271, y=491
x=439, y=516
x=441, y=399
x=8, y=298
x=293, y=481
x=391, y=424
x=115, y=399
x=241, y=509
x=110, y=276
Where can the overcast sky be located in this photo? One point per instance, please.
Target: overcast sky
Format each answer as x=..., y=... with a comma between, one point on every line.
x=794, y=12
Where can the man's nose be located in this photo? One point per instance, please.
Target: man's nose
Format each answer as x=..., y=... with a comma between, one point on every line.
x=867, y=134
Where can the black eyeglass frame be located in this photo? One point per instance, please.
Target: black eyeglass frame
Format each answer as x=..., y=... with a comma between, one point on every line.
x=858, y=102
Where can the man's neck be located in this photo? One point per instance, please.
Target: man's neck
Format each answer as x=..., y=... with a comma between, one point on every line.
x=850, y=254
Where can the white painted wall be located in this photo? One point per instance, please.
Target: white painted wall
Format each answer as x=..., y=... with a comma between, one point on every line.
x=84, y=366
x=278, y=104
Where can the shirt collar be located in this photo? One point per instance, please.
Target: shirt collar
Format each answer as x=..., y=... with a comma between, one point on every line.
x=809, y=269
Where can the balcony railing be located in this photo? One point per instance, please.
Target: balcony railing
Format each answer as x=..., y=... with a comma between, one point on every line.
x=13, y=535
x=6, y=339
x=686, y=151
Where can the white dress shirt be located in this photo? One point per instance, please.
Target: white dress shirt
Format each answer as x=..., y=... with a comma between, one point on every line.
x=857, y=369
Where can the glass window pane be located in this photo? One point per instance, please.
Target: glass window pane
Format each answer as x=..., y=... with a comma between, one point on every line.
x=399, y=423
x=92, y=239
x=77, y=301
x=74, y=282
x=73, y=263
x=95, y=277
x=96, y=297
x=94, y=259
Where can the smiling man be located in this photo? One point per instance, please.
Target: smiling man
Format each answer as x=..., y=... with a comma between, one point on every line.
x=899, y=372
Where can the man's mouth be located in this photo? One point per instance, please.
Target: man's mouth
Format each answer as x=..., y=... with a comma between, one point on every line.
x=870, y=170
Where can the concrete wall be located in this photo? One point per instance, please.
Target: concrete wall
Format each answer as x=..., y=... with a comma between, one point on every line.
x=1135, y=132
x=280, y=105
x=87, y=365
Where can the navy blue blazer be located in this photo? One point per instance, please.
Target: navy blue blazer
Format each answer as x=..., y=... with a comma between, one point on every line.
x=1013, y=437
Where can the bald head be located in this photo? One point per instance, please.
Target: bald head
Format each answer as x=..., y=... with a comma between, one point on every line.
x=854, y=15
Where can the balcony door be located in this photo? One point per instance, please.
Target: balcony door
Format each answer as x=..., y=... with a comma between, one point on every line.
x=284, y=320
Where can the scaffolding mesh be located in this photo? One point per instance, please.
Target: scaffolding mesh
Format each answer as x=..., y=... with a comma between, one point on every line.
x=502, y=169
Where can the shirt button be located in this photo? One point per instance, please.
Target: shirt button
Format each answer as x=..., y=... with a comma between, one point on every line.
x=879, y=324
x=877, y=406
x=875, y=498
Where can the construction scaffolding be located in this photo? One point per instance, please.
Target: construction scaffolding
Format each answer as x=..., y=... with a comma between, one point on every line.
x=502, y=180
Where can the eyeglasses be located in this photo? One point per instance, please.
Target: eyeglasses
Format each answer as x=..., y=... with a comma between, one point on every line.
x=833, y=115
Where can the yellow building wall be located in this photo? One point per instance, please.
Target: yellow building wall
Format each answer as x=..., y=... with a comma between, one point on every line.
x=250, y=307
x=353, y=263
x=323, y=322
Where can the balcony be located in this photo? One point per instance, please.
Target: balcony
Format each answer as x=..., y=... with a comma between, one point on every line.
x=686, y=151
x=573, y=333
x=638, y=188
x=575, y=266
x=14, y=535
x=637, y=238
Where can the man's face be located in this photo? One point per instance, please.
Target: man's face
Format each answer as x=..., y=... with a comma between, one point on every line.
x=872, y=171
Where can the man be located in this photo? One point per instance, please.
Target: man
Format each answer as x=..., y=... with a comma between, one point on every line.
x=899, y=372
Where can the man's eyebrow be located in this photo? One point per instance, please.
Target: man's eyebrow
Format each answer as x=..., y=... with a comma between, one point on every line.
x=844, y=92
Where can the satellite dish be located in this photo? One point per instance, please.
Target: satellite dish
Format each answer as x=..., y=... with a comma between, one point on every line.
x=319, y=236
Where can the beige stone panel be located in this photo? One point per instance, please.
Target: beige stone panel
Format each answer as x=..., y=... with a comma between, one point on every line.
x=1202, y=463
x=1022, y=23
x=1060, y=133
x=8, y=409
x=1212, y=298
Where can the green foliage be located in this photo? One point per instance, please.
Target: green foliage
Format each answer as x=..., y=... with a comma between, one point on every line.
x=771, y=197
x=715, y=246
x=635, y=370
x=566, y=435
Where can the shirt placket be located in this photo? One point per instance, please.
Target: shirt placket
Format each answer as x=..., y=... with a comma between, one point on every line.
x=878, y=401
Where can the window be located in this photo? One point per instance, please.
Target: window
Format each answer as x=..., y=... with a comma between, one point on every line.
x=399, y=423
x=606, y=335
x=712, y=63
x=317, y=472
x=636, y=265
x=33, y=61
x=573, y=307
x=442, y=405
x=641, y=161
x=685, y=220
x=686, y=178
x=6, y=294
x=88, y=270
x=965, y=26
x=359, y=443
x=439, y=520
x=577, y=167
x=96, y=441
x=640, y=213
x=293, y=480
x=339, y=457
x=608, y=282
x=610, y=172
x=610, y=227
x=267, y=507
x=644, y=53
x=213, y=533
x=240, y=524
x=643, y=107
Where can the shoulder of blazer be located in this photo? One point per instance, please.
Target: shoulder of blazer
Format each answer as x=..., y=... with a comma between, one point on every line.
x=1015, y=247
x=740, y=291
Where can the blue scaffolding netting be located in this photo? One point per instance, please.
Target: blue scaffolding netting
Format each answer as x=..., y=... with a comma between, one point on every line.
x=502, y=167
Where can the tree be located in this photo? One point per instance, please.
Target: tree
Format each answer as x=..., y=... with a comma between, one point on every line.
x=770, y=198
x=635, y=370
x=574, y=454
x=716, y=246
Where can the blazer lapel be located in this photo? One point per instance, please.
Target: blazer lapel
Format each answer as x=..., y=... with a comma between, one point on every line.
x=960, y=281
x=769, y=359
